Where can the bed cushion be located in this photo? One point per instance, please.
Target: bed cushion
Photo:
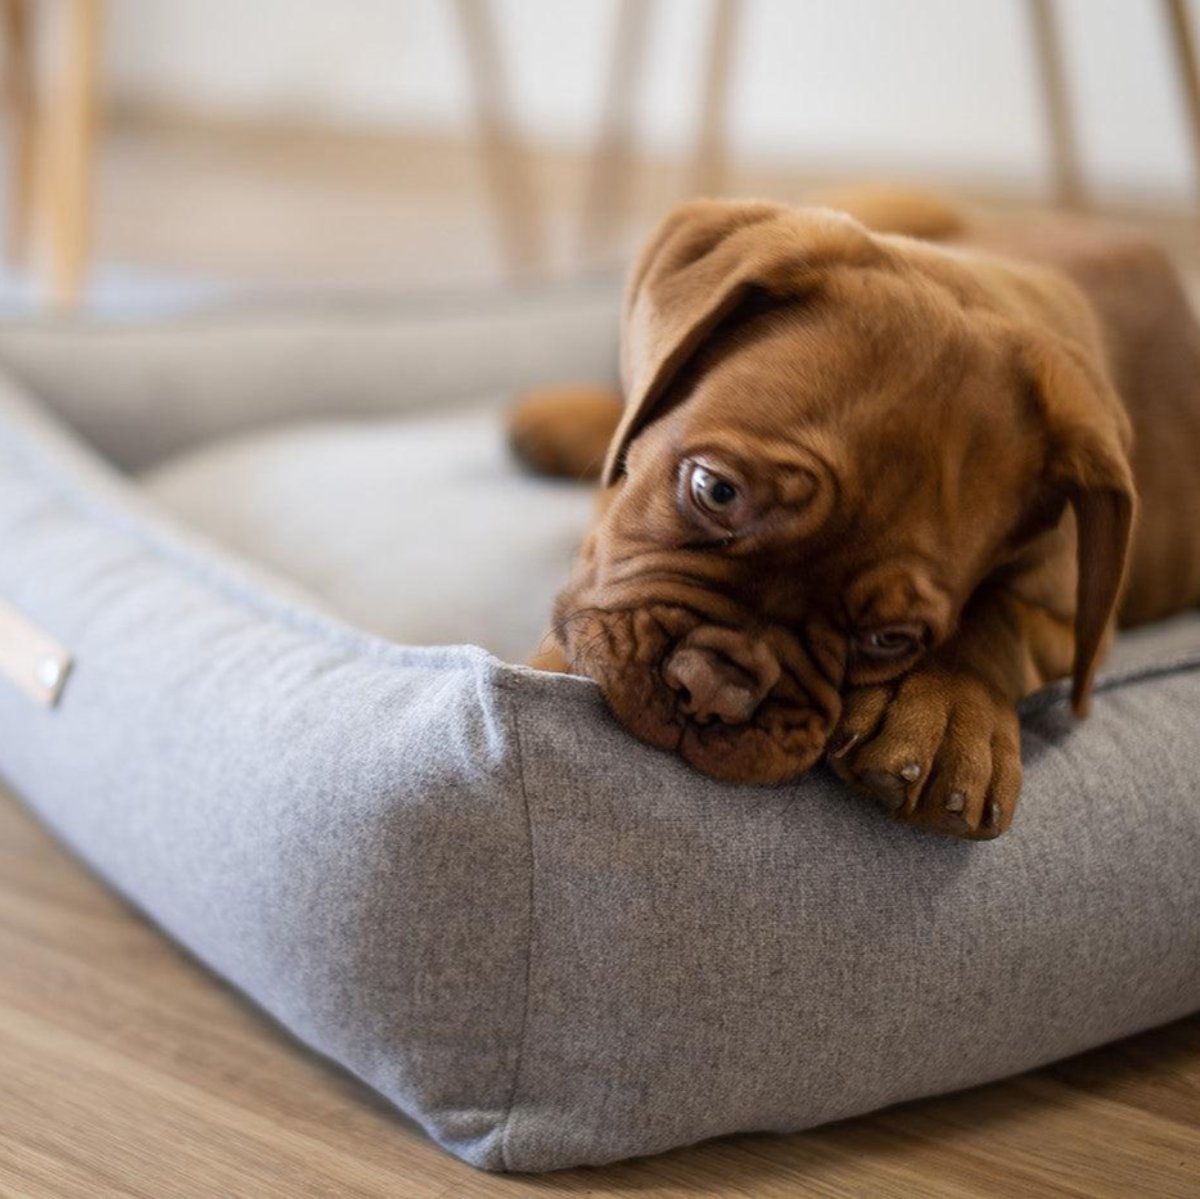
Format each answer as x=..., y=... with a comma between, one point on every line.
x=419, y=530
x=459, y=879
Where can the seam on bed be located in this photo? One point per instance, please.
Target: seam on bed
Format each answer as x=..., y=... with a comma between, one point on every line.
x=514, y=709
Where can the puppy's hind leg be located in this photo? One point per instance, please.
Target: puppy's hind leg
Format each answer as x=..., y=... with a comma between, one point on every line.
x=564, y=431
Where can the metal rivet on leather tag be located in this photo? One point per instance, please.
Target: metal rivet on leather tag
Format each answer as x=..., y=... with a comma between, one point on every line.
x=50, y=673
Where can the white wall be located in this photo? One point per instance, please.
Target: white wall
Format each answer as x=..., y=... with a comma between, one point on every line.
x=945, y=86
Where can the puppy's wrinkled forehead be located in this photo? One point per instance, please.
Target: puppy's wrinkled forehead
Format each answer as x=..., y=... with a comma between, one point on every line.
x=857, y=339
x=864, y=369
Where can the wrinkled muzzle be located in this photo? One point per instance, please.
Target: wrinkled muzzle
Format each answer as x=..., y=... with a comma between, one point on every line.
x=742, y=706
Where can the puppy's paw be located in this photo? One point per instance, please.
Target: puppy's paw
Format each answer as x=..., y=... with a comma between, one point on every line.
x=564, y=431
x=549, y=656
x=937, y=749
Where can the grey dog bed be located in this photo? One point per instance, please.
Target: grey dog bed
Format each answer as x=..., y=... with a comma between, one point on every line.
x=459, y=878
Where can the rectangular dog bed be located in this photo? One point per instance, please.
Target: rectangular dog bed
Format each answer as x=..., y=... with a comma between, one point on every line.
x=457, y=877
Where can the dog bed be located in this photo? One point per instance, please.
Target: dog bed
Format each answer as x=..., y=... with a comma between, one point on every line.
x=220, y=544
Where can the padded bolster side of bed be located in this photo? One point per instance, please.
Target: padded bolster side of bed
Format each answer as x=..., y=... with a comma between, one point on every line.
x=142, y=391
x=333, y=823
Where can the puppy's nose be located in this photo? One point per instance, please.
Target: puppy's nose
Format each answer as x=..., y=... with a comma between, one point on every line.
x=712, y=687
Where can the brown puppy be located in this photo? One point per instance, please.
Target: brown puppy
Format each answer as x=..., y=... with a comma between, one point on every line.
x=866, y=492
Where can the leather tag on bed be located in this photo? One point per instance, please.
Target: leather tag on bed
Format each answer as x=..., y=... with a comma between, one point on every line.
x=31, y=659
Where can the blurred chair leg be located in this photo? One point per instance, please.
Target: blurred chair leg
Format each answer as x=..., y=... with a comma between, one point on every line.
x=608, y=178
x=1183, y=44
x=21, y=102
x=514, y=197
x=710, y=158
x=1068, y=179
x=67, y=160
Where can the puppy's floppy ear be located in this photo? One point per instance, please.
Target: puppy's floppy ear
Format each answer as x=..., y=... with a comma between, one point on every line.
x=1088, y=463
x=705, y=258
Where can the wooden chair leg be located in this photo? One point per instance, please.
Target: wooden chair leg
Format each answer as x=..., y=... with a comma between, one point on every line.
x=1183, y=43
x=608, y=180
x=68, y=155
x=21, y=102
x=709, y=158
x=1068, y=178
x=513, y=194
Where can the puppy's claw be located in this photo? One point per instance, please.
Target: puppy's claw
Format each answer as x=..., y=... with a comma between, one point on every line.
x=991, y=818
x=910, y=772
x=845, y=745
x=886, y=788
x=956, y=801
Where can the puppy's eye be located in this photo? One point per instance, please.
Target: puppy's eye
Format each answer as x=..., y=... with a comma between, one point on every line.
x=890, y=642
x=710, y=492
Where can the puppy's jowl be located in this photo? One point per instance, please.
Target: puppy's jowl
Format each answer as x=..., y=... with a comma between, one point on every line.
x=865, y=492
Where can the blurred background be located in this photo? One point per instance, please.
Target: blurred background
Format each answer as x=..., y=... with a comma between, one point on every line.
x=162, y=153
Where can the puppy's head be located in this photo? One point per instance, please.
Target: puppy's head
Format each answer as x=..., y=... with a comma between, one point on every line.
x=831, y=438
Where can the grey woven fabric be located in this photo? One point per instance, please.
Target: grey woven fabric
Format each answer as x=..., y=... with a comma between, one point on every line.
x=547, y=943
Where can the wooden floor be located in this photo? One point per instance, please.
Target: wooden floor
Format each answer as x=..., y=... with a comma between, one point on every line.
x=127, y=1069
